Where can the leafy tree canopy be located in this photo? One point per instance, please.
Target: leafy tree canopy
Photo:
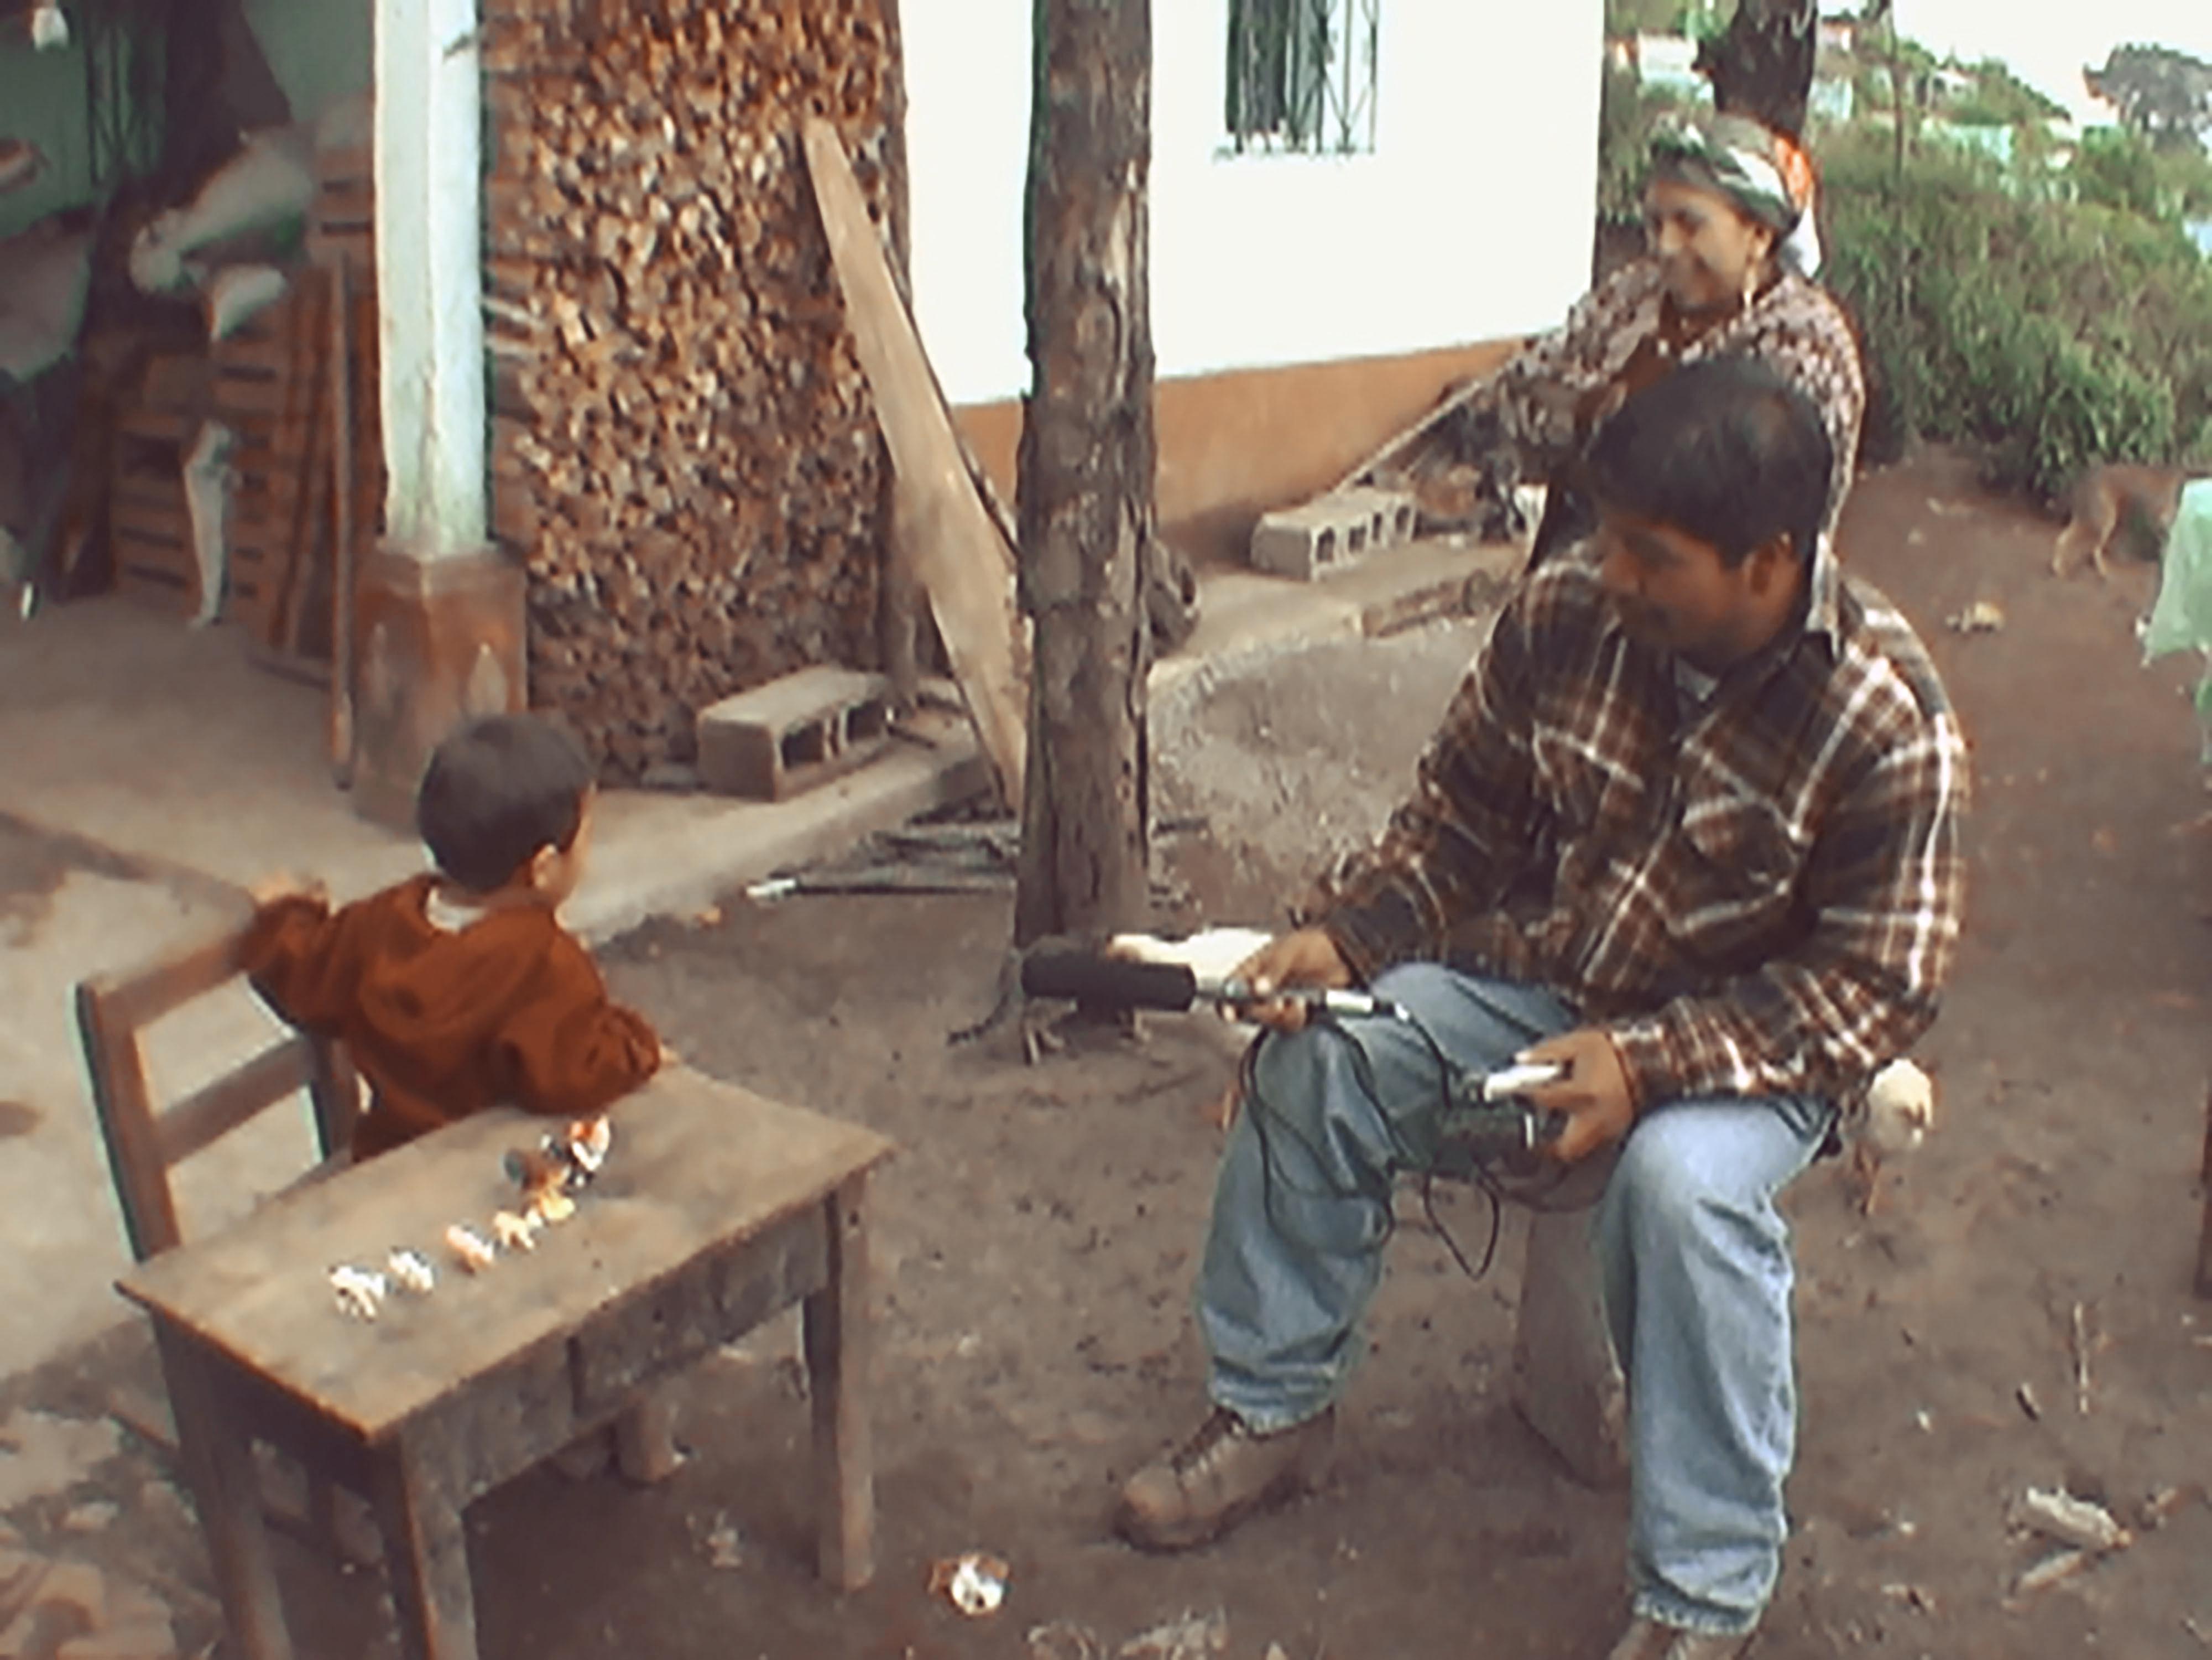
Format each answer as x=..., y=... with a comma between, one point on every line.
x=1625, y=17
x=2164, y=94
x=1999, y=98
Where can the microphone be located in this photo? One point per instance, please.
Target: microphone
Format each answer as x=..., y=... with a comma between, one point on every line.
x=1086, y=977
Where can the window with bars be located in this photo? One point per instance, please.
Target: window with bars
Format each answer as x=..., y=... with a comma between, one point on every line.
x=1302, y=76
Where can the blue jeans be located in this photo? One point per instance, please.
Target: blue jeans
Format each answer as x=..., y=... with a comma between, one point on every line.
x=1694, y=1257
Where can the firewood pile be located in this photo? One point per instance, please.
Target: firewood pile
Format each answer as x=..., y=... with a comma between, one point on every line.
x=684, y=454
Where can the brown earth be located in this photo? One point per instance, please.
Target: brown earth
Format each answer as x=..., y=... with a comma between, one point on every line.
x=1038, y=1231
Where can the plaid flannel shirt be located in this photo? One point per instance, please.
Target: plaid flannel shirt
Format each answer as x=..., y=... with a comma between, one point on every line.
x=1754, y=892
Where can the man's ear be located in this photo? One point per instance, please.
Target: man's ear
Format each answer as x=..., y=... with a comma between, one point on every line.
x=1773, y=564
x=540, y=867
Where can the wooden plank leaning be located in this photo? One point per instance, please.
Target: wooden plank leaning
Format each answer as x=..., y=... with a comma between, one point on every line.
x=2205, y=1240
x=961, y=554
x=342, y=532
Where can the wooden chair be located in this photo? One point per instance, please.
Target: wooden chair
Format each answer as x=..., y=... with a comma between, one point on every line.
x=145, y=1143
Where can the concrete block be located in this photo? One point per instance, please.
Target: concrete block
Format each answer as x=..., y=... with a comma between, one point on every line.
x=1567, y=1381
x=1331, y=532
x=793, y=733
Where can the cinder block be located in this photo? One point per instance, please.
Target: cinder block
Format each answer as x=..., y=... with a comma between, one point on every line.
x=1331, y=532
x=1566, y=1380
x=793, y=733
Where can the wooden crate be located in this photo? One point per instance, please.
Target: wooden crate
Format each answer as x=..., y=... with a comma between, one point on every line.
x=343, y=226
x=270, y=388
x=149, y=536
x=166, y=408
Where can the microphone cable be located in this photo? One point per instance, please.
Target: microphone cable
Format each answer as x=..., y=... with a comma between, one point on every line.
x=1402, y=1156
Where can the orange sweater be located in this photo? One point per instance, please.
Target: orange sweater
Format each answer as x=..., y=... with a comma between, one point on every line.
x=443, y=1024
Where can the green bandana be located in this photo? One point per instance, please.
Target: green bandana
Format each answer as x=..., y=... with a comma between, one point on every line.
x=1732, y=156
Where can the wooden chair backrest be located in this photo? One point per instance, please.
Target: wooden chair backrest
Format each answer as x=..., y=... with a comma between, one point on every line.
x=144, y=1142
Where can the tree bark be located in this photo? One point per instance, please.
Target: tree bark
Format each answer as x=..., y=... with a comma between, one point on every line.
x=1086, y=512
x=1761, y=66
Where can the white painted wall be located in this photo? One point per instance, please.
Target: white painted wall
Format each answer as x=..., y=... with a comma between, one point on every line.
x=1471, y=220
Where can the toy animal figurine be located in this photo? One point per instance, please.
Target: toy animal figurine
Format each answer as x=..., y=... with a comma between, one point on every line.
x=477, y=1253
x=563, y=1163
x=412, y=1271
x=360, y=1292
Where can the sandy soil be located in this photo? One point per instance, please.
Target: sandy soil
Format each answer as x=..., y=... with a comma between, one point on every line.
x=1037, y=1234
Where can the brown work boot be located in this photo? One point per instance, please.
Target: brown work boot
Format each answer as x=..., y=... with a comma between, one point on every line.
x=1218, y=1477
x=1647, y=1639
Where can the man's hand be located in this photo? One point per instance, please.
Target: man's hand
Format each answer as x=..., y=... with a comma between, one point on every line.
x=1307, y=958
x=1594, y=1096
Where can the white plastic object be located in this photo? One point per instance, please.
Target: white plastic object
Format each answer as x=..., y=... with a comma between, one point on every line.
x=1519, y=1078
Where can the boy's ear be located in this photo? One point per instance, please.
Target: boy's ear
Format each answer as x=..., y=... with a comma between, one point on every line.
x=541, y=865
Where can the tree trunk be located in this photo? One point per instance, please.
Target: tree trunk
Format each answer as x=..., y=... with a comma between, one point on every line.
x=1761, y=66
x=1086, y=509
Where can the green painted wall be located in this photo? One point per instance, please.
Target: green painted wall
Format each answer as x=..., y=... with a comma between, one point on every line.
x=319, y=50
x=42, y=99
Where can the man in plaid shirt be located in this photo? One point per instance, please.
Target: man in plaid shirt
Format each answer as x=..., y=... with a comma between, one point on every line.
x=1691, y=830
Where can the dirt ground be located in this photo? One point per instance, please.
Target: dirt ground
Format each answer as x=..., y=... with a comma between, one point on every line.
x=1037, y=1233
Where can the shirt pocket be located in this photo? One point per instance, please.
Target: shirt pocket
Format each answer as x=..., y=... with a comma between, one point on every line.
x=1586, y=798
x=1736, y=870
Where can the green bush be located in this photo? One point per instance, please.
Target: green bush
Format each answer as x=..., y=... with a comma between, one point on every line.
x=2050, y=334
x=1628, y=114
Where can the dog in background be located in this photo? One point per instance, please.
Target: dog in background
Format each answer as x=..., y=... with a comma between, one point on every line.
x=2106, y=500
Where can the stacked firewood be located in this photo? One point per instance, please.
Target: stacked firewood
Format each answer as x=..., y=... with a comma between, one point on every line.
x=683, y=450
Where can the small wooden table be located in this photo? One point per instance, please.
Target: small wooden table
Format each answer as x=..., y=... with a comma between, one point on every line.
x=716, y=1209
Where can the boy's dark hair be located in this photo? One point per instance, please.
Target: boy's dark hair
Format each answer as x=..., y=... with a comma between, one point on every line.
x=497, y=791
x=1725, y=449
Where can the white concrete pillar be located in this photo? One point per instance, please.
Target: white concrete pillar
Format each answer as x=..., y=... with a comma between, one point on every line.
x=440, y=618
x=429, y=274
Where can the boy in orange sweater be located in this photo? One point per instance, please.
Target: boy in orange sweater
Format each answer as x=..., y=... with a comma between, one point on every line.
x=459, y=989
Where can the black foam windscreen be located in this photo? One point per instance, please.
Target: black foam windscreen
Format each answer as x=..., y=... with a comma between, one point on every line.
x=1087, y=977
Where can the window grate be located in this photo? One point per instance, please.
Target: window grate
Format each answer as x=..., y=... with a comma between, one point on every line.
x=1302, y=76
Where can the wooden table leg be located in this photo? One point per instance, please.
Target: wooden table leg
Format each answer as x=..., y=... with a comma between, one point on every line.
x=645, y=1438
x=426, y=1554
x=218, y=1460
x=838, y=1362
x=323, y=1512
